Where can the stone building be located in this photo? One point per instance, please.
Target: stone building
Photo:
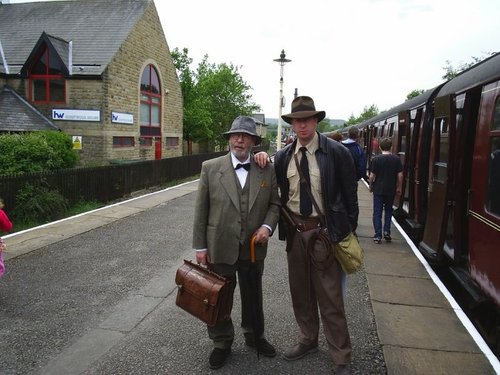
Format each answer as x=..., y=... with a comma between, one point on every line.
x=99, y=70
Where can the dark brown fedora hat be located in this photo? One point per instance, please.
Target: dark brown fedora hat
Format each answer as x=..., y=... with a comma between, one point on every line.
x=303, y=107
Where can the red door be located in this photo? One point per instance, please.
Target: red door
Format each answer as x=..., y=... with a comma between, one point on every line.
x=157, y=148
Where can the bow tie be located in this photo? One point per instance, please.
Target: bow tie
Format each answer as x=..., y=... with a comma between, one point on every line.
x=246, y=166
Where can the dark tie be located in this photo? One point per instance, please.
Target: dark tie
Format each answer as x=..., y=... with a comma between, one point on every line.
x=305, y=199
x=246, y=166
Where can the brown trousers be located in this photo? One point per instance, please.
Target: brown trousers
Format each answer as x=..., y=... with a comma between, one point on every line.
x=315, y=280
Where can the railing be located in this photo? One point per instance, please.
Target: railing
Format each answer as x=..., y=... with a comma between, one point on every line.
x=107, y=183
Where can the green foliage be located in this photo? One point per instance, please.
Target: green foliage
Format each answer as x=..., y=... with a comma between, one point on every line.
x=368, y=113
x=324, y=126
x=452, y=72
x=214, y=95
x=414, y=94
x=39, y=204
x=35, y=152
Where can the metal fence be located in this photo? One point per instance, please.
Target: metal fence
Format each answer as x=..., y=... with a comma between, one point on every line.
x=107, y=183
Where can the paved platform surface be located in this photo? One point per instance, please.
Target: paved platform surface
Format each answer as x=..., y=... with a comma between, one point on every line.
x=95, y=294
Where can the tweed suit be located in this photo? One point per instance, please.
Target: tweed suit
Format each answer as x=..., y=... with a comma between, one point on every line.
x=218, y=225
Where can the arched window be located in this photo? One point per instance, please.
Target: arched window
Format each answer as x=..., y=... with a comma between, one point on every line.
x=150, y=104
x=46, y=80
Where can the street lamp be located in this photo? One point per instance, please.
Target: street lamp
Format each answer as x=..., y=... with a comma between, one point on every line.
x=282, y=61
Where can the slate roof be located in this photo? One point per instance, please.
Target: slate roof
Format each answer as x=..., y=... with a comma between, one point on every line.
x=97, y=29
x=18, y=115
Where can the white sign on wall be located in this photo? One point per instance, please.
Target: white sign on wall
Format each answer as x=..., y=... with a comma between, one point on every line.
x=76, y=115
x=123, y=118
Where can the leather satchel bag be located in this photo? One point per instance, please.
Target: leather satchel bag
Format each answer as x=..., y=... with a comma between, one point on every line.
x=349, y=253
x=203, y=293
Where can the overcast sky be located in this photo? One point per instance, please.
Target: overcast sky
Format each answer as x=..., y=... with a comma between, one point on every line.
x=346, y=54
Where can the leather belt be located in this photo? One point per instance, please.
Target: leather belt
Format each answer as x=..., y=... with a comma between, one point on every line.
x=303, y=224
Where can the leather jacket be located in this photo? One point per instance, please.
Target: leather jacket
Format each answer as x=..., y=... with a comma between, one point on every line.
x=338, y=186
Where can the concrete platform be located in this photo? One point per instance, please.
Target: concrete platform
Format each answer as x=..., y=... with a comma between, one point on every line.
x=420, y=329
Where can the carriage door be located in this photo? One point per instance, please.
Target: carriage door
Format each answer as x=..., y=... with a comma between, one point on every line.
x=484, y=196
x=402, y=144
x=434, y=231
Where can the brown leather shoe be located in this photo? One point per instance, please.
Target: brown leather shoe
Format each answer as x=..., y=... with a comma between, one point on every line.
x=343, y=369
x=300, y=350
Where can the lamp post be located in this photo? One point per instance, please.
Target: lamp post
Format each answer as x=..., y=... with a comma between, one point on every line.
x=282, y=61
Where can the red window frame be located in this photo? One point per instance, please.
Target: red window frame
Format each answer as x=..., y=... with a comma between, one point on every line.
x=151, y=102
x=52, y=74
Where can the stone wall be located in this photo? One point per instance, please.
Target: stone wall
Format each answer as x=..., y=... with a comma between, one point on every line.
x=118, y=90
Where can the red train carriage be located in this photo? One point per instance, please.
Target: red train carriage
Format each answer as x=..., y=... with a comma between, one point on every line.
x=449, y=141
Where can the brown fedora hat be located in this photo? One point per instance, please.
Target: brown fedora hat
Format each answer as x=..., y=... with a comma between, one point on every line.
x=303, y=107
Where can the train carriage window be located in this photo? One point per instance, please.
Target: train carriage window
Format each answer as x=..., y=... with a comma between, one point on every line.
x=402, y=138
x=493, y=186
x=496, y=118
x=441, y=150
x=493, y=196
x=391, y=130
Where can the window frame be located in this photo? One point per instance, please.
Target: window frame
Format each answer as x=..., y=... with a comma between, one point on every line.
x=150, y=100
x=48, y=78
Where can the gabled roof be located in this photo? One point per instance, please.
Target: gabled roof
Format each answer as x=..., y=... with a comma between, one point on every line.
x=61, y=47
x=18, y=115
x=97, y=29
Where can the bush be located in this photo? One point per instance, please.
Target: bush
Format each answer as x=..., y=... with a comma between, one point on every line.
x=39, y=204
x=35, y=152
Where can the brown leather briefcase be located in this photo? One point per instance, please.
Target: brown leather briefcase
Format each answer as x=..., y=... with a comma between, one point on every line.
x=203, y=293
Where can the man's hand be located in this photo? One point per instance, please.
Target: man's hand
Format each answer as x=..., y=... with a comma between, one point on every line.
x=202, y=257
x=261, y=236
x=262, y=159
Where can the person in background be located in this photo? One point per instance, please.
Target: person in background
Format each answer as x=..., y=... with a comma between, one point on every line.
x=236, y=200
x=314, y=272
x=5, y=226
x=336, y=136
x=357, y=152
x=386, y=180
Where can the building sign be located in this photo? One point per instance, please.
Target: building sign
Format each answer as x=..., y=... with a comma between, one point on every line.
x=123, y=118
x=77, y=142
x=76, y=115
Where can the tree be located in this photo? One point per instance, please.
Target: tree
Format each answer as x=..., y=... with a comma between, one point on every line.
x=414, y=94
x=214, y=96
x=324, y=126
x=452, y=72
x=368, y=112
x=196, y=117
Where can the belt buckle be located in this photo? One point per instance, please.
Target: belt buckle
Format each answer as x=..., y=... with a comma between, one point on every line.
x=300, y=227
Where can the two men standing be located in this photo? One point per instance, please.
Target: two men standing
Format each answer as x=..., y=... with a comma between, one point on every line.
x=317, y=181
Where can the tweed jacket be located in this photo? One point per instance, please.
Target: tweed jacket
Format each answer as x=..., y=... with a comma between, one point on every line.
x=217, y=221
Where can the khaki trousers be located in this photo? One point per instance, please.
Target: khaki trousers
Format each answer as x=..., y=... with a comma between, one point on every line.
x=312, y=286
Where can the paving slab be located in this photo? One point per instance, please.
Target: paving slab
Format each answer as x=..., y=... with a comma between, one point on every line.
x=410, y=361
x=406, y=291
x=422, y=328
